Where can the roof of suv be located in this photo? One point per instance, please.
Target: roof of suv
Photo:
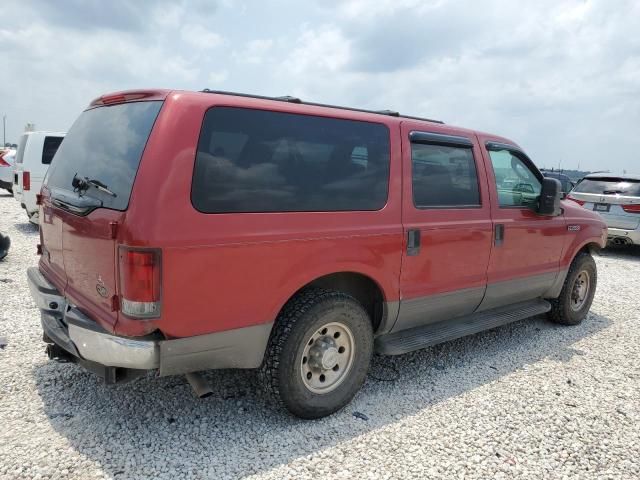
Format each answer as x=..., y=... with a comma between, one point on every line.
x=162, y=94
x=289, y=99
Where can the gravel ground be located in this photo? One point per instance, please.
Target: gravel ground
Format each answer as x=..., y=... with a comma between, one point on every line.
x=528, y=400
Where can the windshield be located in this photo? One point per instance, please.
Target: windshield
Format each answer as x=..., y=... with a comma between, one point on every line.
x=105, y=144
x=609, y=186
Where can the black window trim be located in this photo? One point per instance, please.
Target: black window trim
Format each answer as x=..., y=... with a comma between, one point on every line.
x=318, y=115
x=430, y=138
x=519, y=153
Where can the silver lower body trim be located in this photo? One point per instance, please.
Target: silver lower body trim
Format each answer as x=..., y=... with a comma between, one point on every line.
x=79, y=335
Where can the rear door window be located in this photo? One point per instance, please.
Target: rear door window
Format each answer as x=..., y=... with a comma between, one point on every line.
x=609, y=186
x=105, y=144
x=262, y=161
x=444, y=176
x=50, y=148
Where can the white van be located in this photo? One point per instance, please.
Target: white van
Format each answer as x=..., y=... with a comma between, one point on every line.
x=34, y=155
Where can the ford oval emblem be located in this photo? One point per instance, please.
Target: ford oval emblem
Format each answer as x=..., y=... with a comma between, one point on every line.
x=101, y=288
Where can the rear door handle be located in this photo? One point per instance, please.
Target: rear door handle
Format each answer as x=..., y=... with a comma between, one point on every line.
x=413, y=243
x=498, y=237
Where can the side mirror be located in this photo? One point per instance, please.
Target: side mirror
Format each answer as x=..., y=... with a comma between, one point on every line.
x=549, y=202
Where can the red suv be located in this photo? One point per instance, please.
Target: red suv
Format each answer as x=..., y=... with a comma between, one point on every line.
x=186, y=231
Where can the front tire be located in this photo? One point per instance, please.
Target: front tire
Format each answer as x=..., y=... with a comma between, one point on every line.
x=318, y=354
x=575, y=299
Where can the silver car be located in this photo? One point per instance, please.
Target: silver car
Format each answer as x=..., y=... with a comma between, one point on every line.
x=617, y=199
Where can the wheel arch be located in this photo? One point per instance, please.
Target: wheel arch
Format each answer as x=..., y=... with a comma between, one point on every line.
x=363, y=287
x=590, y=247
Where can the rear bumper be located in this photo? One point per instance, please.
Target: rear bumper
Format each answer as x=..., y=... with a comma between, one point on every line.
x=70, y=329
x=633, y=236
x=6, y=185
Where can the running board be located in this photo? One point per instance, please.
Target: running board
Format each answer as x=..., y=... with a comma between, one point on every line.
x=406, y=341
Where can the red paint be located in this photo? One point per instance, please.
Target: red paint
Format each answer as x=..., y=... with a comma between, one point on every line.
x=532, y=243
x=455, y=243
x=225, y=271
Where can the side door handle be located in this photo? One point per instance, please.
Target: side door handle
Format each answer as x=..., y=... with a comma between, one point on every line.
x=413, y=243
x=498, y=237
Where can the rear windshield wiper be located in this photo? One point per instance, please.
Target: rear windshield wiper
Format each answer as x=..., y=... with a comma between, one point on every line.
x=81, y=185
x=611, y=192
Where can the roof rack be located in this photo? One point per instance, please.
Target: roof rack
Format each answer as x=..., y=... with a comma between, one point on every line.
x=290, y=99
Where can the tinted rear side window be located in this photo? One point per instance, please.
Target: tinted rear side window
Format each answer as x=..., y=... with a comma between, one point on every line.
x=50, y=148
x=262, y=161
x=105, y=144
x=609, y=186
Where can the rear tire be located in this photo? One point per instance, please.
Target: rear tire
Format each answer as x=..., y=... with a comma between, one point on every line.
x=318, y=354
x=574, y=302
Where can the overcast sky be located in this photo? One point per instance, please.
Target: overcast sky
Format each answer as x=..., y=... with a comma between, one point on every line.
x=561, y=78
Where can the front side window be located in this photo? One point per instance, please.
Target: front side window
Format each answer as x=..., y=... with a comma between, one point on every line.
x=517, y=184
x=443, y=176
x=262, y=161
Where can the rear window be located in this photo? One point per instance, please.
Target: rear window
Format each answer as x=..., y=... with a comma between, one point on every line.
x=609, y=186
x=105, y=144
x=50, y=148
x=262, y=161
x=21, y=147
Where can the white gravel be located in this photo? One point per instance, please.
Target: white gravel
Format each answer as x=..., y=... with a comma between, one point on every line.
x=528, y=400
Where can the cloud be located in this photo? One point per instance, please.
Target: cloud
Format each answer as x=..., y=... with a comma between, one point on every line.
x=561, y=78
x=255, y=51
x=200, y=37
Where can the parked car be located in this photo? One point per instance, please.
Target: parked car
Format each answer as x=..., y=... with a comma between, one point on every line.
x=565, y=180
x=617, y=199
x=34, y=155
x=7, y=158
x=186, y=231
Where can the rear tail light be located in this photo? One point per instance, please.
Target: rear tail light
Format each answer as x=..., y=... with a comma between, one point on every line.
x=140, y=282
x=631, y=208
x=579, y=202
x=3, y=162
x=26, y=181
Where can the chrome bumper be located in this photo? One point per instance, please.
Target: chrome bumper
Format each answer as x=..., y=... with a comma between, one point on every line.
x=76, y=333
x=632, y=235
x=67, y=327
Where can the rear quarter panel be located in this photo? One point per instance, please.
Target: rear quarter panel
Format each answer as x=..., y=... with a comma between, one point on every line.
x=226, y=271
